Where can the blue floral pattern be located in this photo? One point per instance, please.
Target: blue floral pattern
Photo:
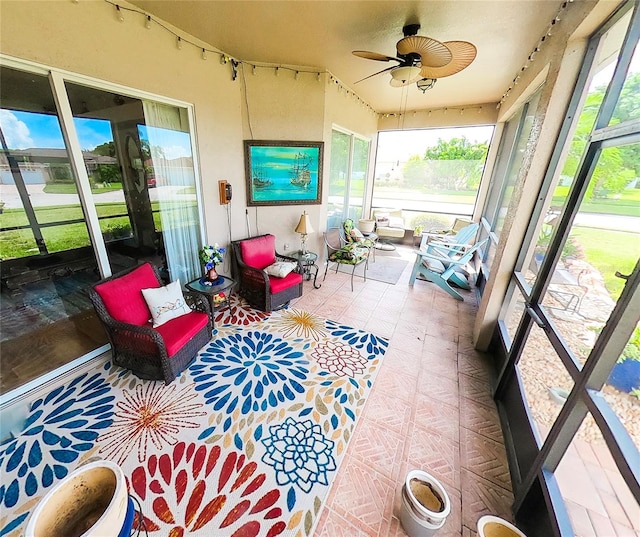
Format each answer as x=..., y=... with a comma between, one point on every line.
x=371, y=344
x=60, y=426
x=299, y=453
x=268, y=370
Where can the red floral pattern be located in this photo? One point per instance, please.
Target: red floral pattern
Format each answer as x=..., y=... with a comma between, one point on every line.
x=194, y=488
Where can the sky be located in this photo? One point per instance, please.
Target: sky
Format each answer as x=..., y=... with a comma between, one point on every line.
x=27, y=130
x=400, y=145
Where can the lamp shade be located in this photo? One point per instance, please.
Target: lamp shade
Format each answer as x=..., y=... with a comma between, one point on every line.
x=405, y=73
x=304, y=226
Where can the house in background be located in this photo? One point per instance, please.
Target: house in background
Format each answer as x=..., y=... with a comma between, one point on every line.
x=192, y=80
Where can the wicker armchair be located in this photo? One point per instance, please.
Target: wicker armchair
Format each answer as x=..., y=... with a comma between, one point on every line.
x=264, y=292
x=159, y=353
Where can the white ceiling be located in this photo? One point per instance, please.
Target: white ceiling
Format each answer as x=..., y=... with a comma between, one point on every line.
x=321, y=34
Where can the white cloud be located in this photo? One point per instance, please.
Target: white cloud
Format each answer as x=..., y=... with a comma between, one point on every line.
x=175, y=151
x=16, y=133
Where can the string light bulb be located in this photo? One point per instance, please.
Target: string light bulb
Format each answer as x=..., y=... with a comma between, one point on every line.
x=119, y=13
x=147, y=23
x=254, y=70
x=204, y=54
x=179, y=43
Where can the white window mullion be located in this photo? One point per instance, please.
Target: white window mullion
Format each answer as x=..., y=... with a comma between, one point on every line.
x=80, y=171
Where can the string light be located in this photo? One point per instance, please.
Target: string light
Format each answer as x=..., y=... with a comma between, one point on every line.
x=224, y=58
x=460, y=111
x=254, y=70
x=530, y=58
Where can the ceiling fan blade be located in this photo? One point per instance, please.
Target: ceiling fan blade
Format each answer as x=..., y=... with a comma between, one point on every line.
x=463, y=54
x=378, y=73
x=374, y=56
x=432, y=52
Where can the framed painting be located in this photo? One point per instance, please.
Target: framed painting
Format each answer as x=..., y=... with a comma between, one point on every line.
x=283, y=173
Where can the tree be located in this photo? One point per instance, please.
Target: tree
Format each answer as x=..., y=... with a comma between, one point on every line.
x=454, y=164
x=617, y=166
x=108, y=149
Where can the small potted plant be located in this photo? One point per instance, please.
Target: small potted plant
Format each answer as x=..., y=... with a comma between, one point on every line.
x=211, y=256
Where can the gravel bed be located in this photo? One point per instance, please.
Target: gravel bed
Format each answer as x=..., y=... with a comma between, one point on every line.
x=541, y=369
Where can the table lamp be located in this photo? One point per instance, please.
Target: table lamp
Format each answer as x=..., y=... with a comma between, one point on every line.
x=304, y=228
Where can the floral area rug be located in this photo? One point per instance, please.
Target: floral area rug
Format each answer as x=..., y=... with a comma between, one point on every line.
x=246, y=442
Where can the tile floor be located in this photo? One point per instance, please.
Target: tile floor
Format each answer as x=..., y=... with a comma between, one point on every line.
x=430, y=408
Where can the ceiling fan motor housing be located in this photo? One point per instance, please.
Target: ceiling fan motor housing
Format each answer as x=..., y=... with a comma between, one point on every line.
x=410, y=29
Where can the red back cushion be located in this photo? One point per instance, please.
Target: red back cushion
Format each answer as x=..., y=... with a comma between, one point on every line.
x=123, y=297
x=259, y=252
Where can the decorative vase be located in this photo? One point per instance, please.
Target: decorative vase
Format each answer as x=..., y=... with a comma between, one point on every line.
x=212, y=275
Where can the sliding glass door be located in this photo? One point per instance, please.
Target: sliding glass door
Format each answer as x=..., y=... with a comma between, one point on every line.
x=348, y=177
x=85, y=191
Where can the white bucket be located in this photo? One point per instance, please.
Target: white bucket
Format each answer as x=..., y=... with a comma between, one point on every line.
x=419, y=517
x=493, y=526
x=90, y=502
x=366, y=226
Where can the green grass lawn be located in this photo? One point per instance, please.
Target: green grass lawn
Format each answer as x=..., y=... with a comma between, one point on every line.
x=609, y=251
x=67, y=188
x=626, y=203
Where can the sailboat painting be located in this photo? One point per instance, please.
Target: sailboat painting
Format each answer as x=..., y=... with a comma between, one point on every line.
x=288, y=173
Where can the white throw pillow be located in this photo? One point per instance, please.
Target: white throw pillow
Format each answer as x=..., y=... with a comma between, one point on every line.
x=165, y=303
x=382, y=219
x=280, y=269
x=396, y=221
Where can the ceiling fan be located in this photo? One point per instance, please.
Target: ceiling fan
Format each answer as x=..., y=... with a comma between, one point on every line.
x=422, y=59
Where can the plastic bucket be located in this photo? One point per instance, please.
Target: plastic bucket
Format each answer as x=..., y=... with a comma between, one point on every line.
x=90, y=502
x=493, y=526
x=425, y=504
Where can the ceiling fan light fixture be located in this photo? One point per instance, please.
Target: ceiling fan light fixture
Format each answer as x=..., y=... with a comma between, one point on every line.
x=405, y=73
x=425, y=84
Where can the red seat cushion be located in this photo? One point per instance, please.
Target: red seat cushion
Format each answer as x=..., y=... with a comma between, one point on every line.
x=123, y=296
x=259, y=252
x=178, y=331
x=280, y=284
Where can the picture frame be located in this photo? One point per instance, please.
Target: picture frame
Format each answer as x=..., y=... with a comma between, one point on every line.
x=283, y=172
